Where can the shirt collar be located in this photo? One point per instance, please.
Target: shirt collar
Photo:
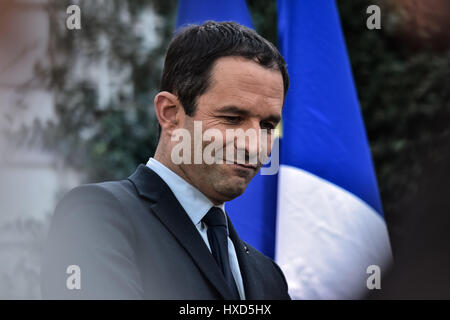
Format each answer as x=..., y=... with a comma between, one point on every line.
x=195, y=203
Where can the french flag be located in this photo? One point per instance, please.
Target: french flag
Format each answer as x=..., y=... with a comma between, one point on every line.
x=330, y=224
x=321, y=216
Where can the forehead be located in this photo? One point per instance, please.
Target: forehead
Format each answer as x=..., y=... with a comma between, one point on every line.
x=238, y=77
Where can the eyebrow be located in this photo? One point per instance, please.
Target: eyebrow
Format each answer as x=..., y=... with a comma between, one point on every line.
x=233, y=109
x=243, y=112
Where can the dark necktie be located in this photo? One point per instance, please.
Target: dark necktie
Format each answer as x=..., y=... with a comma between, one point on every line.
x=218, y=241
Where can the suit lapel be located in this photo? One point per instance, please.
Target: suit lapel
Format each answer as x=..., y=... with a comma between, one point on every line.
x=251, y=276
x=169, y=211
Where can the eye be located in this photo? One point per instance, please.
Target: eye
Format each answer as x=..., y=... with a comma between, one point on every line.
x=267, y=125
x=232, y=119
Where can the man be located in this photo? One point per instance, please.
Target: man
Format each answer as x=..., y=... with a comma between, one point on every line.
x=163, y=232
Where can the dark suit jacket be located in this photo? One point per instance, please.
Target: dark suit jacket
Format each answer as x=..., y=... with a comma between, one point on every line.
x=133, y=240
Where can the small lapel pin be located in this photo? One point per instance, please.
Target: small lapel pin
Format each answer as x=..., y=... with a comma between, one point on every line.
x=246, y=249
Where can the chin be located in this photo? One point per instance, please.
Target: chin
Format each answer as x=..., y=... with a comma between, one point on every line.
x=232, y=188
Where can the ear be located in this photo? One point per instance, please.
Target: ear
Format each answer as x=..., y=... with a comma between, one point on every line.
x=169, y=111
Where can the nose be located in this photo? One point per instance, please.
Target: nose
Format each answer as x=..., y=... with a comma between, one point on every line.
x=248, y=143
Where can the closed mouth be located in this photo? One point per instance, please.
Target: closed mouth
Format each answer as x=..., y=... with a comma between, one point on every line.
x=248, y=166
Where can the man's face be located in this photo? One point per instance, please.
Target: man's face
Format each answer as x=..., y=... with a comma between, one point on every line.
x=242, y=95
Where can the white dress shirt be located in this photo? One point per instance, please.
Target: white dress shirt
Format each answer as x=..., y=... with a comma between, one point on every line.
x=196, y=205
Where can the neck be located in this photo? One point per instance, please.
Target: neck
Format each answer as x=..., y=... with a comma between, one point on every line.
x=163, y=156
